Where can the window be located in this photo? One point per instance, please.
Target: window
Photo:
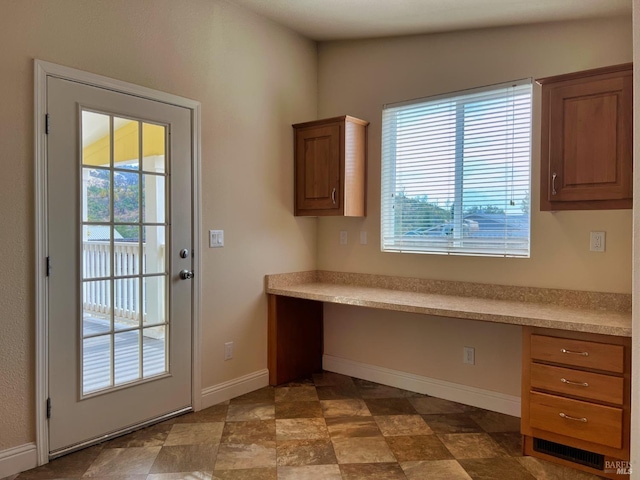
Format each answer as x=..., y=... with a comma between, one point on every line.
x=456, y=173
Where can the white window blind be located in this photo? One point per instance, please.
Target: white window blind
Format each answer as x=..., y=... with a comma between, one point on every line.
x=456, y=172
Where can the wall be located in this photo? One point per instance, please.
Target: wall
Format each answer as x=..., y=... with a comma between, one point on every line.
x=254, y=80
x=357, y=78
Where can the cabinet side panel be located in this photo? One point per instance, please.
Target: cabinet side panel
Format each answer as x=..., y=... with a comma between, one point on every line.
x=355, y=184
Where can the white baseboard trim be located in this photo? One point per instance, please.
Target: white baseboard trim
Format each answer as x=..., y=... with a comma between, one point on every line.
x=477, y=397
x=18, y=459
x=234, y=388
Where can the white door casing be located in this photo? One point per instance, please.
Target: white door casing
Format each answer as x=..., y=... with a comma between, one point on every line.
x=93, y=417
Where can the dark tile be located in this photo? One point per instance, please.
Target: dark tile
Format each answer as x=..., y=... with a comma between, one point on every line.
x=260, y=432
x=72, y=465
x=217, y=413
x=337, y=392
x=435, y=470
x=496, y=422
x=180, y=476
x=433, y=405
x=373, y=390
x=418, y=447
x=344, y=408
x=400, y=425
x=301, y=429
x=332, y=379
x=510, y=441
x=185, y=458
x=493, y=468
x=245, y=412
x=263, y=395
x=304, y=393
x=543, y=470
x=305, y=452
x=298, y=409
x=372, y=471
x=362, y=450
x=310, y=472
x=246, y=474
x=123, y=461
x=472, y=445
x=452, y=423
x=299, y=382
x=194, y=433
x=390, y=406
x=233, y=456
x=153, y=436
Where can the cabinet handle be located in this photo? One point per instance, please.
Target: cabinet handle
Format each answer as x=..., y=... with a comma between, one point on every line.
x=553, y=183
x=569, y=382
x=583, y=419
x=584, y=354
x=333, y=195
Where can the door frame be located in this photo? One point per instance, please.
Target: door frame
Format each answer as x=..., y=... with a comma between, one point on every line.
x=42, y=70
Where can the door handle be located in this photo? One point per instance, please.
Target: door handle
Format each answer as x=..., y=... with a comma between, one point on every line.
x=186, y=274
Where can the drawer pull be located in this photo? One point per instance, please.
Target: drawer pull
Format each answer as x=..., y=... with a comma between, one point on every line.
x=584, y=354
x=569, y=382
x=583, y=419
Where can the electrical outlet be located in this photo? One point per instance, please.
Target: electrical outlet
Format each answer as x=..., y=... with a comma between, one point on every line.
x=597, y=241
x=343, y=237
x=469, y=355
x=228, y=350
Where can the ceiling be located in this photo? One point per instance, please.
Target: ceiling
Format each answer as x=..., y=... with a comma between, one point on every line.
x=324, y=20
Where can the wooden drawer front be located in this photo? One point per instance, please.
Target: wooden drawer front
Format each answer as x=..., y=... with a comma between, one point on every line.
x=594, y=386
x=603, y=425
x=599, y=356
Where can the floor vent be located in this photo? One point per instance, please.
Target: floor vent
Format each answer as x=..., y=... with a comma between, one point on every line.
x=576, y=455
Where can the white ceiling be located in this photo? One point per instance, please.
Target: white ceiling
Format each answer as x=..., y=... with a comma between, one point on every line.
x=324, y=20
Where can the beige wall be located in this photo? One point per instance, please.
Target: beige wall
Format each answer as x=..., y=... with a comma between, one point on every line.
x=254, y=80
x=357, y=78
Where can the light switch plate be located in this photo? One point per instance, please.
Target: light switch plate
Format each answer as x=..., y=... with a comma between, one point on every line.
x=216, y=238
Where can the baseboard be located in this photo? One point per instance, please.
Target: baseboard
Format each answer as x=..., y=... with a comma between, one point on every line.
x=477, y=397
x=234, y=388
x=18, y=459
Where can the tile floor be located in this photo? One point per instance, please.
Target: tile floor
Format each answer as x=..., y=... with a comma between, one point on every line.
x=329, y=427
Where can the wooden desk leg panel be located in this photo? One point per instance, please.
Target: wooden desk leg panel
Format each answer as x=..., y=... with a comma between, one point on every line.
x=295, y=344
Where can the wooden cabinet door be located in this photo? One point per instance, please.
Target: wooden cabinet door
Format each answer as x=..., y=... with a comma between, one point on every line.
x=588, y=148
x=318, y=168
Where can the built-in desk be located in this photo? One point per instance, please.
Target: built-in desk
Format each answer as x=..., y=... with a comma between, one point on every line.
x=295, y=310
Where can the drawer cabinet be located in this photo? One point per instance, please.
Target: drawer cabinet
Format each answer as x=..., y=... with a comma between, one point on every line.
x=330, y=167
x=576, y=398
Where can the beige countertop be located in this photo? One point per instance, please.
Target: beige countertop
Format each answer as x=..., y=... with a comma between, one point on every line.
x=609, y=314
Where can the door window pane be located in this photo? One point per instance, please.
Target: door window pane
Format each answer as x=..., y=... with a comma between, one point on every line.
x=154, y=250
x=96, y=139
x=127, y=357
x=153, y=198
x=126, y=143
x=154, y=347
x=96, y=195
x=96, y=363
x=96, y=251
x=153, y=148
x=126, y=197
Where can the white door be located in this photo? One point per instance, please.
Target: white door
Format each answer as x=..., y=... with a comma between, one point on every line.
x=119, y=196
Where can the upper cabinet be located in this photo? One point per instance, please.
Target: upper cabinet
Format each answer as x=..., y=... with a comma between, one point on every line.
x=587, y=140
x=330, y=167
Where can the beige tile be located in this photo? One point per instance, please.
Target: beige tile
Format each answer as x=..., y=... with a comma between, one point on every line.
x=232, y=456
x=435, y=470
x=372, y=471
x=194, y=433
x=120, y=461
x=246, y=412
x=362, y=450
x=310, y=472
x=270, y=473
x=346, y=427
x=302, y=409
x=185, y=458
x=181, y=476
x=496, y=422
x=418, y=447
x=296, y=394
x=305, y=452
x=374, y=390
x=138, y=476
x=261, y=432
x=332, y=379
x=510, y=441
x=490, y=468
x=396, y=425
x=344, y=408
x=69, y=466
x=472, y=445
x=337, y=392
x=301, y=429
x=433, y=405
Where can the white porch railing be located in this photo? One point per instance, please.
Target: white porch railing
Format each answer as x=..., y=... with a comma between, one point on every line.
x=96, y=263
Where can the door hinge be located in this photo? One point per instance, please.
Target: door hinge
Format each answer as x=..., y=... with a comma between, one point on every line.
x=48, y=266
x=46, y=123
x=48, y=407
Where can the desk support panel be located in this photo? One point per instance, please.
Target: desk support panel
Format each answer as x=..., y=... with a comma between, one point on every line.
x=295, y=338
